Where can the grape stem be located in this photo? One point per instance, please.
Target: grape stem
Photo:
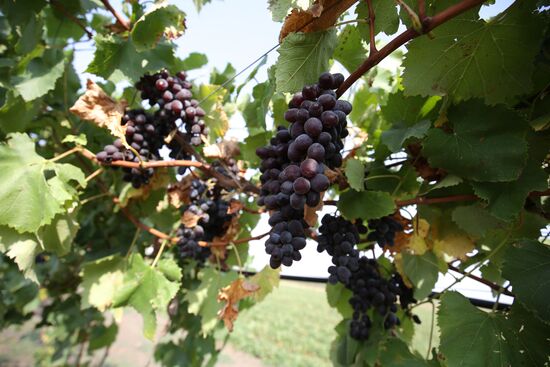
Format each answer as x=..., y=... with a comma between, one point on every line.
x=123, y=22
x=428, y=23
x=372, y=45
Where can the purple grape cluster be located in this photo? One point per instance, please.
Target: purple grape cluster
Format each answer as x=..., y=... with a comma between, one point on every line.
x=214, y=220
x=143, y=135
x=174, y=97
x=383, y=230
x=294, y=162
x=339, y=237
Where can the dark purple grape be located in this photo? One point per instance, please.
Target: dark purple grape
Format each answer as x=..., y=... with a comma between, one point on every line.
x=313, y=127
x=303, y=142
x=320, y=183
x=297, y=201
x=329, y=119
x=161, y=84
x=291, y=115
x=327, y=101
x=326, y=80
x=301, y=186
x=316, y=151
x=338, y=80
x=308, y=168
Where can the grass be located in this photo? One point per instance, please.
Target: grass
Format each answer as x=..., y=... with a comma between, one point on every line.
x=294, y=326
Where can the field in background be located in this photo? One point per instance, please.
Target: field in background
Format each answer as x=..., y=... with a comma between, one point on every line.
x=293, y=326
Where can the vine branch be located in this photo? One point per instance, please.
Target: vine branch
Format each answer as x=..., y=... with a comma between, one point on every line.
x=489, y=284
x=120, y=19
x=71, y=17
x=428, y=24
x=372, y=45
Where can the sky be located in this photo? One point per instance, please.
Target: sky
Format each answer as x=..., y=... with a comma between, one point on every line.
x=239, y=31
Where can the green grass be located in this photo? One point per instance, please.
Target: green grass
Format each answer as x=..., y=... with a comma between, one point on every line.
x=294, y=326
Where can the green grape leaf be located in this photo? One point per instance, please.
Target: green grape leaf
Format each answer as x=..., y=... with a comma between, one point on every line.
x=338, y=297
x=366, y=204
x=40, y=75
x=31, y=34
x=22, y=248
x=473, y=58
x=216, y=117
x=267, y=279
x=350, y=51
x=202, y=300
x=465, y=328
x=79, y=139
x=16, y=114
x=387, y=19
x=395, y=137
x=117, y=60
x=251, y=143
x=161, y=20
x=147, y=290
x=102, y=336
x=59, y=235
x=526, y=267
x=422, y=271
x=487, y=143
x=101, y=280
x=396, y=353
x=475, y=220
x=195, y=60
x=408, y=110
x=254, y=111
x=530, y=334
x=34, y=189
x=506, y=199
x=302, y=58
x=355, y=173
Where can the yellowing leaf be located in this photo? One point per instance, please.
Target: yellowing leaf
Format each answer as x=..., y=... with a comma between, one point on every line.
x=398, y=262
x=417, y=244
x=224, y=149
x=231, y=295
x=453, y=245
x=422, y=227
x=97, y=107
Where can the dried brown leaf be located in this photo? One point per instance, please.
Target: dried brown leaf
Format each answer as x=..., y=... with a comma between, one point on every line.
x=178, y=193
x=224, y=149
x=235, y=206
x=322, y=15
x=96, y=106
x=190, y=219
x=231, y=295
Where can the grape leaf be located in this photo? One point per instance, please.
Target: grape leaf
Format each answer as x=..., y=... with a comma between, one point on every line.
x=117, y=60
x=506, y=199
x=422, y=271
x=338, y=297
x=526, y=267
x=395, y=353
x=101, y=279
x=475, y=220
x=281, y=8
x=350, y=51
x=254, y=111
x=355, y=173
x=470, y=58
x=59, y=235
x=395, y=137
x=161, y=20
x=465, y=328
x=216, y=116
x=387, y=19
x=40, y=75
x=202, y=300
x=147, y=290
x=266, y=279
x=486, y=144
x=194, y=60
x=22, y=248
x=366, y=204
x=34, y=189
x=302, y=58
x=102, y=336
x=16, y=114
x=408, y=109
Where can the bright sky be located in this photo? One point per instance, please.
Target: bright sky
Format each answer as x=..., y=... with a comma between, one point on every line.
x=239, y=31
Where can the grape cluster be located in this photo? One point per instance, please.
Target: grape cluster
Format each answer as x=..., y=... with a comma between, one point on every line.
x=383, y=230
x=174, y=97
x=294, y=162
x=214, y=219
x=145, y=137
x=339, y=237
